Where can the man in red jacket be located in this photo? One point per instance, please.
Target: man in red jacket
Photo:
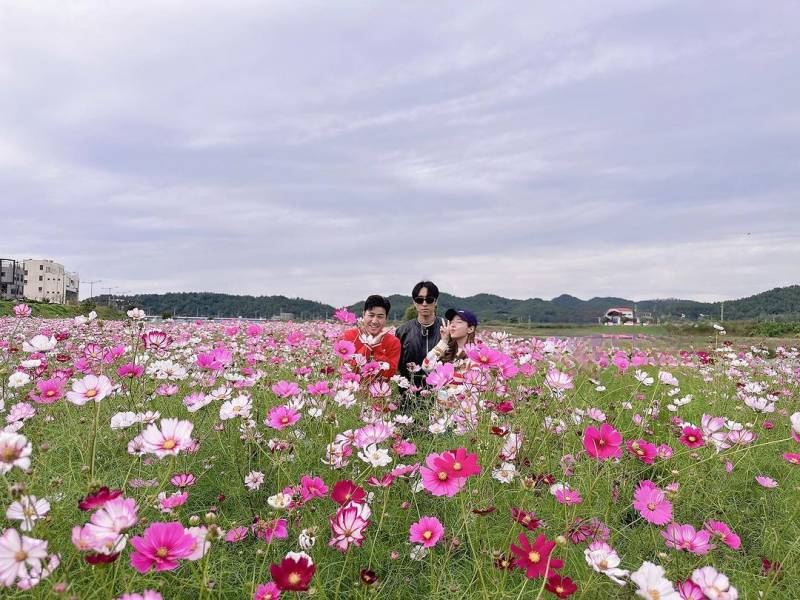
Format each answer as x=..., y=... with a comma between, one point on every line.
x=372, y=339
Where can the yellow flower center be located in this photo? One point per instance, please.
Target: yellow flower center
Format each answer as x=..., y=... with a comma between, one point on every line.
x=651, y=506
x=427, y=535
x=91, y=393
x=456, y=466
x=162, y=552
x=9, y=453
x=169, y=444
x=442, y=475
x=20, y=555
x=50, y=393
x=691, y=438
x=284, y=420
x=534, y=556
x=654, y=594
x=293, y=578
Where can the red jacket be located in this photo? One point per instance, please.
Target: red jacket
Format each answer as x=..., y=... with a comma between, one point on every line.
x=387, y=350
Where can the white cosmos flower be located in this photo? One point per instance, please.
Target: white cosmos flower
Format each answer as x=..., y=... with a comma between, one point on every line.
x=18, y=379
x=28, y=510
x=377, y=457
x=253, y=480
x=39, y=343
x=652, y=583
x=505, y=473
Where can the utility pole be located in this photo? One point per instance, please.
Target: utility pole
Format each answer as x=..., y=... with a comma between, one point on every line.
x=91, y=286
x=108, y=291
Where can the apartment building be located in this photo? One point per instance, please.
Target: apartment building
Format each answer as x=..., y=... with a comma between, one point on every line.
x=12, y=279
x=46, y=280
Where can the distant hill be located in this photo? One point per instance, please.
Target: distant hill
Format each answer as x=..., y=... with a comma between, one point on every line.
x=780, y=303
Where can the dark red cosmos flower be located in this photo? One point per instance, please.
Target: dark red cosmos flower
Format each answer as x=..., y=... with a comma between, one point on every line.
x=100, y=559
x=484, y=511
x=368, y=577
x=767, y=566
x=98, y=498
x=295, y=572
x=535, y=558
x=505, y=563
x=346, y=491
x=563, y=587
x=500, y=431
x=504, y=407
x=525, y=518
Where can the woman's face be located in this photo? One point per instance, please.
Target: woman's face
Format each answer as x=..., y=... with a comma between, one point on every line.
x=459, y=328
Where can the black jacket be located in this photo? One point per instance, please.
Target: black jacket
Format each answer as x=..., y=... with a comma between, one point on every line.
x=417, y=340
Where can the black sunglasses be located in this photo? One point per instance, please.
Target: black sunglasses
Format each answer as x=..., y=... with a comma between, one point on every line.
x=425, y=299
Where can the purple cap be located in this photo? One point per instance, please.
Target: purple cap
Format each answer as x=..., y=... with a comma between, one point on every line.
x=466, y=315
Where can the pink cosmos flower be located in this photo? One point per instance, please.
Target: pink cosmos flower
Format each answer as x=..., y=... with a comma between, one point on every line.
x=714, y=584
x=345, y=316
x=183, y=480
x=684, y=537
x=167, y=503
x=458, y=463
x=344, y=349
x=767, y=482
x=408, y=448
x=722, y=532
x=652, y=504
x=267, y=591
x=237, y=534
x=643, y=450
x=15, y=451
x=145, y=595
x=281, y=417
x=90, y=387
x=692, y=437
x=558, y=382
x=312, y=487
x=439, y=481
x=485, y=357
x=267, y=529
x=603, y=443
x=689, y=590
x=440, y=376
x=157, y=341
x=168, y=438
x=161, y=546
x=22, y=310
x=793, y=458
x=24, y=558
x=47, y=391
x=285, y=389
x=568, y=497
x=427, y=531
x=130, y=370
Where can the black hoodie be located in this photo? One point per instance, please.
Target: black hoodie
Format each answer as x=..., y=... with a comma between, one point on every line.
x=417, y=340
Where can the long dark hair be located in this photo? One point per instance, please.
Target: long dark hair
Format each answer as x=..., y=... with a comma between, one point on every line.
x=452, y=348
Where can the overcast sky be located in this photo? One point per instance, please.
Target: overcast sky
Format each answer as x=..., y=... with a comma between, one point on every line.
x=330, y=150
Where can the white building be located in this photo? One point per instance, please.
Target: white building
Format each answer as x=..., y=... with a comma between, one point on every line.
x=619, y=315
x=12, y=279
x=46, y=281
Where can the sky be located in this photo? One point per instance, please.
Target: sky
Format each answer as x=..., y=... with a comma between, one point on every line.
x=330, y=150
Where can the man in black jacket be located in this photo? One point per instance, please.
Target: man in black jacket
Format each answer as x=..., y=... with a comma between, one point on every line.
x=419, y=336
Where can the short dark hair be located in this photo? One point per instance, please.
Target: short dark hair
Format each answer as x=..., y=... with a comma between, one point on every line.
x=376, y=301
x=431, y=287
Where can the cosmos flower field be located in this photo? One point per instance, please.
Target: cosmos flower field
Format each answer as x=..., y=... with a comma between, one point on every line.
x=242, y=460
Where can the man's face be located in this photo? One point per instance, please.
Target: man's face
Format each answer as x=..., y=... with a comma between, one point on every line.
x=424, y=310
x=374, y=320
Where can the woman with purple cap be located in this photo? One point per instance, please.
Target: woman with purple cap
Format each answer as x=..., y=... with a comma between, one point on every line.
x=458, y=332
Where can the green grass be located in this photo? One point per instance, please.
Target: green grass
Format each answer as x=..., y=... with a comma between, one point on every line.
x=59, y=311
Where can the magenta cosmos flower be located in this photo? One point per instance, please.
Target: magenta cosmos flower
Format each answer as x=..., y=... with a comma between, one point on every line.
x=168, y=438
x=458, y=463
x=643, y=450
x=161, y=546
x=344, y=349
x=90, y=387
x=684, y=537
x=48, y=391
x=604, y=443
x=427, y=531
x=439, y=481
x=692, y=437
x=281, y=417
x=652, y=504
